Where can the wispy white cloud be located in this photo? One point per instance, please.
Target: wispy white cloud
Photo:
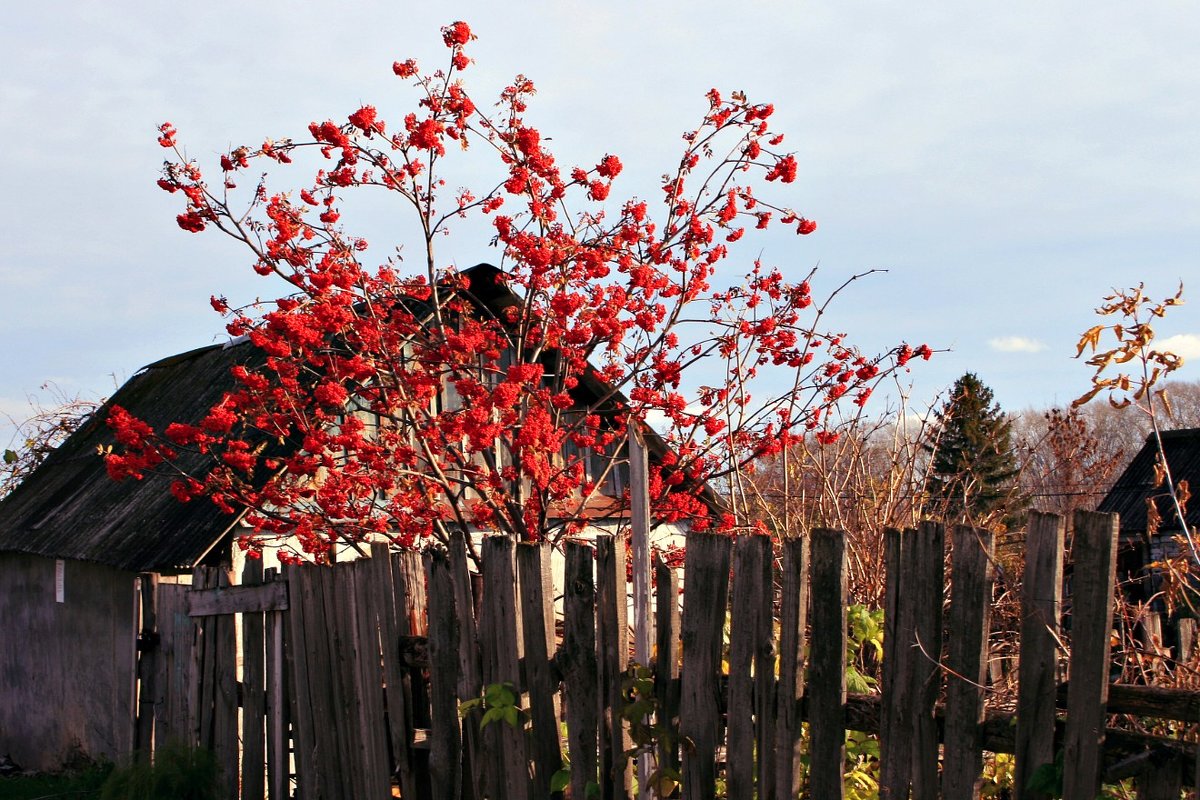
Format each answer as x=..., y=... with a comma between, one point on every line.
x=1016, y=344
x=1182, y=344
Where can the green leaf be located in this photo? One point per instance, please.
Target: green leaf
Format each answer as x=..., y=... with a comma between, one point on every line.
x=10, y=456
x=491, y=716
x=510, y=715
x=560, y=780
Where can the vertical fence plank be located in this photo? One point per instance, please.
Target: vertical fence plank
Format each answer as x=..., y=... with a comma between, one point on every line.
x=827, y=669
x=394, y=624
x=706, y=589
x=927, y=566
x=666, y=667
x=149, y=655
x=411, y=606
x=499, y=632
x=537, y=618
x=1037, y=670
x=966, y=661
x=254, y=695
x=612, y=642
x=201, y=694
x=1161, y=781
x=328, y=762
x=225, y=701
x=745, y=602
x=578, y=659
x=347, y=770
x=445, y=751
x=793, y=619
x=175, y=679
x=297, y=676
x=1092, y=579
x=895, y=746
x=278, y=770
x=367, y=612
x=764, y=676
x=470, y=682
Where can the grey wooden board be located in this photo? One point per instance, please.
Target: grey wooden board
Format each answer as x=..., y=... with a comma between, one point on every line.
x=612, y=654
x=706, y=591
x=445, y=751
x=966, y=661
x=147, y=667
x=499, y=632
x=793, y=619
x=278, y=761
x=1095, y=551
x=254, y=693
x=928, y=574
x=237, y=599
x=536, y=589
x=745, y=599
x=826, y=688
x=298, y=679
x=895, y=744
x=577, y=658
x=764, y=675
x=666, y=675
x=225, y=697
x=470, y=682
x=1037, y=670
x=394, y=623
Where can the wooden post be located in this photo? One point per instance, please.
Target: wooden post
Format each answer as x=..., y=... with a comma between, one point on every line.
x=706, y=590
x=470, y=682
x=827, y=670
x=537, y=616
x=254, y=695
x=1092, y=581
x=927, y=565
x=612, y=655
x=499, y=631
x=639, y=522
x=278, y=769
x=578, y=661
x=1037, y=670
x=225, y=716
x=368, y=684
x=966, y=662
x=666, y=670
x=445, y=753
x=744, y=643
x=148, y=656
x=793, y=617
x=895, y=745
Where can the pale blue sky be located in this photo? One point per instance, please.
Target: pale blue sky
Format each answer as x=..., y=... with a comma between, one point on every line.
x=1008, y=162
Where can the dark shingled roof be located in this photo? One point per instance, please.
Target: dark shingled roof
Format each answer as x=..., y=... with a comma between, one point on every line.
x=70, y=508
x=1128, y=495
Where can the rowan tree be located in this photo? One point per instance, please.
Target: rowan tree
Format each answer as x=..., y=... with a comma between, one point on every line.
x=973, y=464
x=389, y=400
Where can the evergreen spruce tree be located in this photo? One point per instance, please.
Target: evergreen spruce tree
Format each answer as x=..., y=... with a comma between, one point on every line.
x=974, y=466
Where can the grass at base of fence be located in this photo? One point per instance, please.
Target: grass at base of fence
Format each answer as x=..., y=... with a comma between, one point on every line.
x=80, y=784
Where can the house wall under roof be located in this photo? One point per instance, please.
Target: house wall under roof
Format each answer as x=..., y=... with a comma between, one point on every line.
x=66, y=660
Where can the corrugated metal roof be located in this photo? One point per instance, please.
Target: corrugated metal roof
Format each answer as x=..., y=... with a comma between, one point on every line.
x=1129, y=493
x=70, y=508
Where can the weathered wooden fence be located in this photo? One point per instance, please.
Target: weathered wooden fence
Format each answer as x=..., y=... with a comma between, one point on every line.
x=352, y=676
